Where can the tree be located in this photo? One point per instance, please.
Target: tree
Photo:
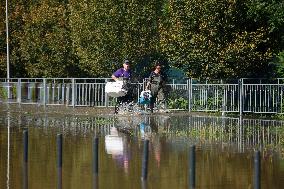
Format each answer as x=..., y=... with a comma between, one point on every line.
x=106, y=32
x=2, y=40
x=269, y=14
x=46, y=48
x=213, y=39
x=15, y=10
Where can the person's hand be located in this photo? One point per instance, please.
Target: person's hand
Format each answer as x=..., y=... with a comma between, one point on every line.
x=147, y=88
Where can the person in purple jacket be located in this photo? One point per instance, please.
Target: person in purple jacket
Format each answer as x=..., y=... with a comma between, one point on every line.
x=124, y=74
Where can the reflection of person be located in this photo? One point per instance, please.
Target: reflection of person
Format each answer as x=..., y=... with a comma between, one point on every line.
x=158, y=124
x=157, y=149
x=151, y=132
x=117, y=146
x=124, y=74
x=156, y=84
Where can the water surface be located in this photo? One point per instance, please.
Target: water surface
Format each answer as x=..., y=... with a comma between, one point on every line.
x=224, y=151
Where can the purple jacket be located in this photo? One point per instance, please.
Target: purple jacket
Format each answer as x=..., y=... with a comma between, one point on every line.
x=122, y=73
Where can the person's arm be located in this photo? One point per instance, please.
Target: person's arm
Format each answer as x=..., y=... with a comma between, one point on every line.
x=115, y=75
x=149, y=81
x=114, y=78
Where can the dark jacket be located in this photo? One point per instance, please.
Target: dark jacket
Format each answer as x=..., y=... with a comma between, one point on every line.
x=157, y=80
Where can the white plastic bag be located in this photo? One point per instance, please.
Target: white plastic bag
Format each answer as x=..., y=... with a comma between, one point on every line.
x=115, y=89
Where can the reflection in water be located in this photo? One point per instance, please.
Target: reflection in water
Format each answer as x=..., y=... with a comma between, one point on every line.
x=8, y=150
x=59, y=154
x=148, y=128
x=150, y=131
x=240, y=132
x=95, y=181
x=223, y=144
x=144, y=184
x=156, y=144
x=59, y=177
x=25, y=159
x=25, y=175
x=144, y=129
x=117, y=146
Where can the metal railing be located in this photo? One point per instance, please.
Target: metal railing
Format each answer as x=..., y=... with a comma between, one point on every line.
x=239, y=96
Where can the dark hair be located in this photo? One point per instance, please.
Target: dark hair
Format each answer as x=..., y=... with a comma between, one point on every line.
x=158, y=64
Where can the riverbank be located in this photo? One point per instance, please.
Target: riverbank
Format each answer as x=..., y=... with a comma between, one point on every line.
x=62, y=110
x=32, y=109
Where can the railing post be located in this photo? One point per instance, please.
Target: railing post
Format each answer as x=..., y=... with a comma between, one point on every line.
x=29, y=90
x=9, y=94
x=106, y=96
x=240, y=84
x=106, y=100
x=67, y=94
x=63, y=93
x=73, y=93
x=19, y=91
x=44, y=92
x=223, y=98
x=189, y=88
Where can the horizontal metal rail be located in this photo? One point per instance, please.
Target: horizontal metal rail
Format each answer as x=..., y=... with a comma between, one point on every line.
x=239, y=96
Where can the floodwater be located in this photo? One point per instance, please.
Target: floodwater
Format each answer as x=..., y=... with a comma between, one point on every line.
x=225, y=149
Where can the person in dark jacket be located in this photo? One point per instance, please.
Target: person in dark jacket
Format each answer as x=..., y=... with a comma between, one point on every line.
x=157, y=84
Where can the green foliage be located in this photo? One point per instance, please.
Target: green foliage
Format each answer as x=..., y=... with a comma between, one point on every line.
x=269, y=14
x=3, y=93
x=2, y=39
x=212, y=38
x=106, y=32
x=177, y=100
x=178, y=103
x=46, y=47
x=279, y=63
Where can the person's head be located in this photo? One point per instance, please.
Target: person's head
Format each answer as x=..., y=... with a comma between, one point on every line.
x=126, y=64
x=158, y=67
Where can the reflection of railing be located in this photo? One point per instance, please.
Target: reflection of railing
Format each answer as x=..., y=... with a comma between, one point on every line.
x=240, y=132
x=64, y=124
x=240, y=96
x=88, y=124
